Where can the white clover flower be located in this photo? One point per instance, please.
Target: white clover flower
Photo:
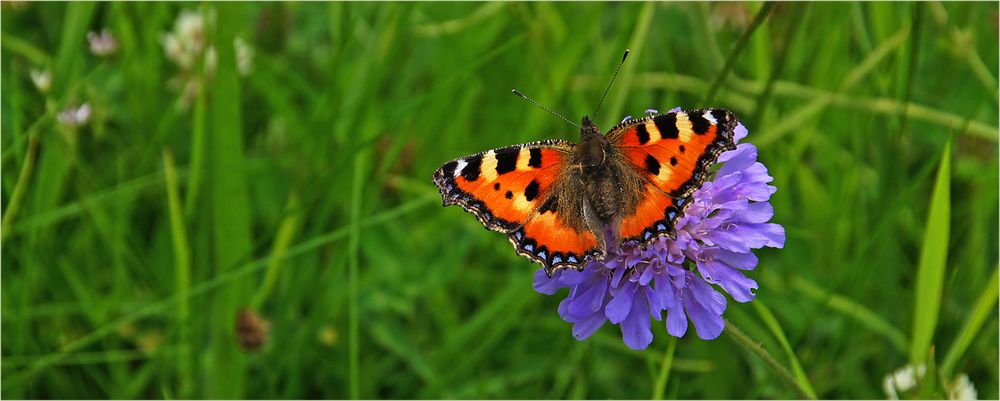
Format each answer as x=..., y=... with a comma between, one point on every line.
x=42, y=79
x=244, y=56
x=962, y=389
x=75, y=116
x=907, y=379
x=102, y=44
x=903, y=379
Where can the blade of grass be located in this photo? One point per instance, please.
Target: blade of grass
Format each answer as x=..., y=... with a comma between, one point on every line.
x=197, y=154
x=854, y=310
x=984, y=305
x=353, y=241
x=286, y=233
x=933, y=260
x=764, y=11
x=226, y=365
x=182, y=273
x=755, y=348
x=22, y=185
x=772, y=324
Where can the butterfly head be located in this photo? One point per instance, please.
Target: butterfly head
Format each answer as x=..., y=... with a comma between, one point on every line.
x=594, y=147
x=588, y=129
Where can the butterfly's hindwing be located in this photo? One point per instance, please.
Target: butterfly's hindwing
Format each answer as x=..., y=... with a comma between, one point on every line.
x=551, y=238
x=674, y=152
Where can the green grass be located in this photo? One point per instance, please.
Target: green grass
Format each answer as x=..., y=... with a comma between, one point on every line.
x=302, y=190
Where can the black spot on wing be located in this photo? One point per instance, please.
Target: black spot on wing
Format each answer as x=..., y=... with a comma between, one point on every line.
x=667, y=124
x=550, y=205
x=652, y=165
x=471, y=169
x=722, y=116
x=673, y=161
x=681, y=148
x=508, y=195
x=531, y=191
x=536, y=158
x=496, y=186
x=640, y=130
x=699, y=124
x=507, y=160
x=448, y=170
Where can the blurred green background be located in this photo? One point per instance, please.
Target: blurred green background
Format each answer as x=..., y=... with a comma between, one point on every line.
x=276, y=158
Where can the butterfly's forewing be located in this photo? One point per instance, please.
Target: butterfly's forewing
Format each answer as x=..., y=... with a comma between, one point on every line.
x=674, y=152
x=513, y=190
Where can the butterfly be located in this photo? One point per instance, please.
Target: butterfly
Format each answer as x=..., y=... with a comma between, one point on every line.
x=562, y=204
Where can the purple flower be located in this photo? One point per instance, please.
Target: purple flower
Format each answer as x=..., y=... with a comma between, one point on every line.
x=726, y=219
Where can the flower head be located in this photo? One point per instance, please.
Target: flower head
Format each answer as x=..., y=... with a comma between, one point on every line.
x=75, y=116
x=188, y=48
x=102, y=44
x=726, y=219
x=42, y=79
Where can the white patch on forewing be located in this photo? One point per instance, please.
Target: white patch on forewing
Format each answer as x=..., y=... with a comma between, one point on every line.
x=461, y=165
x=523, y=157
x=654, y=133
x=683, y=127
x=708, y=116
x=488, y=169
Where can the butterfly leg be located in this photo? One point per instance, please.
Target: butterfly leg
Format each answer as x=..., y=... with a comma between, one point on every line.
x=596, y=227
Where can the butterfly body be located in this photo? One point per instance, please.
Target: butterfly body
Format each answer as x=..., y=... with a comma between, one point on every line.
x=563, y=204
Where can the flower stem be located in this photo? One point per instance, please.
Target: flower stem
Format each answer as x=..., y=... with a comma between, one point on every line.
x=665, y=367
x=730, y=61
x=755, y=347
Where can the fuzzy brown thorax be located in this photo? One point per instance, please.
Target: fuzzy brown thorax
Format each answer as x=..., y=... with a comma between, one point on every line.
x=598, y=174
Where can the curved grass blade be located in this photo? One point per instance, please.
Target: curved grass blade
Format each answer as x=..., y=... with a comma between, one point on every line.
x=984, y=305
x=772, y=324
x=933, y=259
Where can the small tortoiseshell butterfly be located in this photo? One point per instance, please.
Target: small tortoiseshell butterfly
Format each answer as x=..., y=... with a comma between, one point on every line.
x=562, y=204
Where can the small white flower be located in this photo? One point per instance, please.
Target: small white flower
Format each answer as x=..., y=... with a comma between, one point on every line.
x=962, y=389
x=75, y=116
x=102, y=44
x=244, y=56
x=190, y=29
x=42, y=79
x=903, y=379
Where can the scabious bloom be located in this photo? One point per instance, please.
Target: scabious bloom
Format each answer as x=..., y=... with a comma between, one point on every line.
x=726, y=219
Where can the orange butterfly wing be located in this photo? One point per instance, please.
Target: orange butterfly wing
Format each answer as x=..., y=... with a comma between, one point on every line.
x=513, y=190
x=674, y=152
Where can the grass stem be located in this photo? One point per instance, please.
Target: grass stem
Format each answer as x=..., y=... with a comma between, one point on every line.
x=755, y=348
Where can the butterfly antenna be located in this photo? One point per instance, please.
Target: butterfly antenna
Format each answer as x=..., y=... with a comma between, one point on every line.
x=517, y=92
x=624, y=56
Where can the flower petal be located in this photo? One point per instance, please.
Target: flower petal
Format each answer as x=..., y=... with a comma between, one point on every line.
x=735, y=283
x=586, y=327
x=621, y=303
x=707, y=324
x=635, y=329
x=677, y=323
x=544, y=284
